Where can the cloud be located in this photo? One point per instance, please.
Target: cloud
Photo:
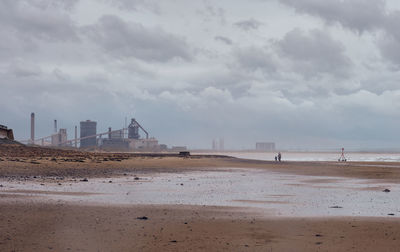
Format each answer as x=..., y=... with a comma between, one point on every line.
x=20, y=68
x=315, y=52
x=249, y=24
x=135, y=5
x=256, y=58
x=358, y=15
x=44, y=20
x=125, y=39
x=225, y=40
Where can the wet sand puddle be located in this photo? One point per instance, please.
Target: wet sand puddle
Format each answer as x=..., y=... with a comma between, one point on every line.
x=272, y=193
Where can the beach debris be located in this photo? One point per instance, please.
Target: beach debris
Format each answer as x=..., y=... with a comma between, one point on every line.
x=110, y=181
x=184, y=154
x=174, y=241
x=142, y=218
x=318, y=235
x=335, y=207
x=136, y=178
x=391, y=214
x=84, y=180
x=386, y=190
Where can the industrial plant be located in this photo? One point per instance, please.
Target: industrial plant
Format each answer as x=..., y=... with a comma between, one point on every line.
x=125, y=139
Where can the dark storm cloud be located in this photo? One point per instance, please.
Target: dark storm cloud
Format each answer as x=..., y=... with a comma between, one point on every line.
x=45, y=20
x=249, y=24
x=315, y=52
x=223, y=39
x=125, y=39
x=358, y=15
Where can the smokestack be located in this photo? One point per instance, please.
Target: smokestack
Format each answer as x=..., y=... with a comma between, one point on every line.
x=55, y=126
x=33, y=128
x=76, y=136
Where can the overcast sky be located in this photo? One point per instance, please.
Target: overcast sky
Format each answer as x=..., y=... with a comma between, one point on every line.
x=305, y=74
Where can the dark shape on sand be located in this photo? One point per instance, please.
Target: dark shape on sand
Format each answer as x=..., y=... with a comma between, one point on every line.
x=142, y=218
x=335, y=207
x=386, y=190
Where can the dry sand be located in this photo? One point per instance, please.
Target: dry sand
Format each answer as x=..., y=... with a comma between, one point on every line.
x=33, y=226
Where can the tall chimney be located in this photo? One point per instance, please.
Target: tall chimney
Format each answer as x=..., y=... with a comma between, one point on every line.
x=32, y=128
x=76, y=136
x=55, y=126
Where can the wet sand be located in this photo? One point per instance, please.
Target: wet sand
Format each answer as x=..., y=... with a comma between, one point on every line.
x=40, y=213
x=59, y=227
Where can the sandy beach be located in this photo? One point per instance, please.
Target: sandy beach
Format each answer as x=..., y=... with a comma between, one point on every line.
x=54, y=200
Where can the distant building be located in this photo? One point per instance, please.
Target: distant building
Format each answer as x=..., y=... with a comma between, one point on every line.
x=6, y=133
x=143, y=144
x=88, y=128
x=178, y=148
x=265, y=146
x=60, y=138
x=218, y=144
x=116, y=144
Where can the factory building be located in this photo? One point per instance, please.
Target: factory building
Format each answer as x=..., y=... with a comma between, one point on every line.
x=88, y=128
x=125, y=139
x=265, y=146
x=116, y=140
x=143, y=144
x=60, y=138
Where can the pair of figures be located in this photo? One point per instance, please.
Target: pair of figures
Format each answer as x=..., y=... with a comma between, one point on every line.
x=279, y=157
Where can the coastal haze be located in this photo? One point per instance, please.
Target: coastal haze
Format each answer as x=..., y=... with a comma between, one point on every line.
x=144, y=125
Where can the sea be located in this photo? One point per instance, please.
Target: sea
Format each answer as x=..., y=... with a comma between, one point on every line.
x=314, y=156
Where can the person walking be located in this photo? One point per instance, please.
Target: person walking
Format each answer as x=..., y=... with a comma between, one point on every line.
x=279, y=157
